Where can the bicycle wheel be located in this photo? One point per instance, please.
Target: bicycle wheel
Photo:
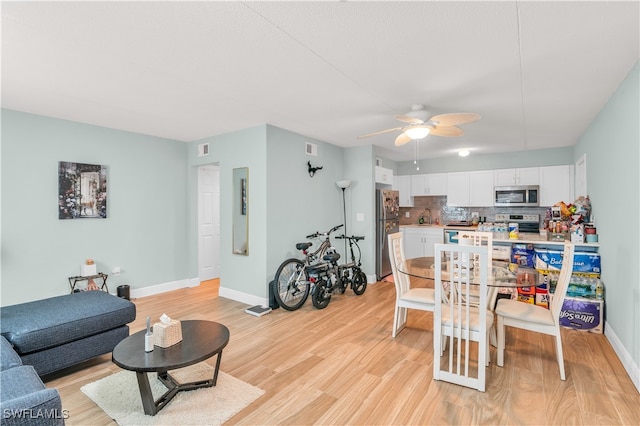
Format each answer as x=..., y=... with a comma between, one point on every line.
x=291, y=285
x=320, y=297
x=359, y=283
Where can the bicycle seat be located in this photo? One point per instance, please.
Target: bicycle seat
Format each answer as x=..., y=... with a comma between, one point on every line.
x=331, y=257
x=303, y=246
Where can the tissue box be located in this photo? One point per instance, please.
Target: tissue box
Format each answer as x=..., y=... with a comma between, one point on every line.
x=88, y=270
x=165, y=335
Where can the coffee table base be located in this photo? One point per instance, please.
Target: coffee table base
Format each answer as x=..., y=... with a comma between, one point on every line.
x=151, y=406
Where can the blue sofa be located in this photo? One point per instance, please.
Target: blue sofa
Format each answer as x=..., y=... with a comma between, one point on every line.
x=45, y=336
x=24, y=400
x=58, y=332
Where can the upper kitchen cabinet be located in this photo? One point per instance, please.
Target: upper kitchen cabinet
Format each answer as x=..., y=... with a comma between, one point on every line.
x=384, y=176
x=470, y=189
x=556, y=184
x=402, y=184
x=429, y=184
x=512, y=177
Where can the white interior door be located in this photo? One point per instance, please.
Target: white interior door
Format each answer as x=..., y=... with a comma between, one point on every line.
x=208, y=222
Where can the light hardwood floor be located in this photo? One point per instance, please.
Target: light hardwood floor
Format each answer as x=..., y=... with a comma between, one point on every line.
x=341, y=366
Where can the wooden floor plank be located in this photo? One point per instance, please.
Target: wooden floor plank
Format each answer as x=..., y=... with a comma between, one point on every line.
x=340, y=365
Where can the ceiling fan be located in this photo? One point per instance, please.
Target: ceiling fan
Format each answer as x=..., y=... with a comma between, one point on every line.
x=421, y=123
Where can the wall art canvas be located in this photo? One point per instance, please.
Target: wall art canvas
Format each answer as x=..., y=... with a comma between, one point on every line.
x=82, y=190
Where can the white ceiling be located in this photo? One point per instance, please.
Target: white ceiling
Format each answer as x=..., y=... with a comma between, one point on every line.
x=537, y=72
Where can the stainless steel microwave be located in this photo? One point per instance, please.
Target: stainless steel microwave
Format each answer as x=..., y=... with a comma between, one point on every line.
x=516, y=196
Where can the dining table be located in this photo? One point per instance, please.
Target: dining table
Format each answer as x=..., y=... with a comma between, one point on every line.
x=502, y=274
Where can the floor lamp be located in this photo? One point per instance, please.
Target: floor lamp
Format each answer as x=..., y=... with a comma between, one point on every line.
x=344, y=184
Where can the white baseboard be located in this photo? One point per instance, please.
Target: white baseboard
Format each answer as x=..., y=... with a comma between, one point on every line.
x=239, y=296
x=372, y=279
x=164, y=287
x=625, y=358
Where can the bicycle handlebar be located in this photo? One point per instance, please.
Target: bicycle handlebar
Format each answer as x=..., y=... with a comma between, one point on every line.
x=353, y=237
x=325, y=234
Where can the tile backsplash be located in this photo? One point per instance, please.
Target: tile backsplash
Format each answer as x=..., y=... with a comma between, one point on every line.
x=439, y=209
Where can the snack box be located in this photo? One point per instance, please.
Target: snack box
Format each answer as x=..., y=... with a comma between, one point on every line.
x=523, y=255
x=526, y=298
x=542, y=295
x=583, y=262
x=583, y=314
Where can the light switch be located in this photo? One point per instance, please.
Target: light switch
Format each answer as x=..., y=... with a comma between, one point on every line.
x=360, y=217
x=407, y=214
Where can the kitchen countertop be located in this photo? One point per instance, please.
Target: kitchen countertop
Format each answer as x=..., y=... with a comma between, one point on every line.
x=524, y=238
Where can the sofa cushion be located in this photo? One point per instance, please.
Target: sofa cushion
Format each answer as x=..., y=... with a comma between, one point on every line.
x=42, y=324
x=8, y=357
x=24, y=400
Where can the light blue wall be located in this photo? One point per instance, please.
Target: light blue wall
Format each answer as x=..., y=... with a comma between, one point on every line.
x=245, y=148
x=144, y=234
x=507, y=160
x=611, y=145
x=360, y=196
x=298, y=204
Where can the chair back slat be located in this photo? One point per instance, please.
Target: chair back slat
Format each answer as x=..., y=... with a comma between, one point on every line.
x=456, y=317
x=396, y=252
x=555, y=302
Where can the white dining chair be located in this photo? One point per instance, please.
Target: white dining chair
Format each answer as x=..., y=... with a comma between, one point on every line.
x=457, y=320
x=406, y=297
x=538, y=318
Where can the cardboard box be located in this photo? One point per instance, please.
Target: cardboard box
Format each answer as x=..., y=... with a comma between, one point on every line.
x=583, y=314
x=583, y=262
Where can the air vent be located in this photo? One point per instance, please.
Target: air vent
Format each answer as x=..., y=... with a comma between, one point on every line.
x=311, y=149
x=379, y=162
x=203, y=149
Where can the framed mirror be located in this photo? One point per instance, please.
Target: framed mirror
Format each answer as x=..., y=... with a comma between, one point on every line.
x=241, y=211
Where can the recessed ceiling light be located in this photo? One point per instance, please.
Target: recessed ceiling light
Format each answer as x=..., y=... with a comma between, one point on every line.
x=463, y=153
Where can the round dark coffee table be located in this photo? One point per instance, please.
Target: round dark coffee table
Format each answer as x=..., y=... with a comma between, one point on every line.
x=200, y=340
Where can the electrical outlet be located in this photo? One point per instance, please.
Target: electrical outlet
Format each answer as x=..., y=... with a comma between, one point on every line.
x=116, y=270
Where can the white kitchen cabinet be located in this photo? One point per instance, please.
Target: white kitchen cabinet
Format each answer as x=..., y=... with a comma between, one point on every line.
x=384, y=176
x=458, y=189
x=556, y=184
x=429, y=184
x=419, y=241
x=402, y=184
x=481, y=188
x=522, y=176
x=470, y=189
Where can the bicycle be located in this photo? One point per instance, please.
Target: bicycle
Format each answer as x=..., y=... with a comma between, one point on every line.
x=292, y=285
x=331, y=278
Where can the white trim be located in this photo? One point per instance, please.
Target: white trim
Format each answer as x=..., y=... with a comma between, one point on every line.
x=371, y=279
x=239, y=296
x=623, y=355
x=162, y=288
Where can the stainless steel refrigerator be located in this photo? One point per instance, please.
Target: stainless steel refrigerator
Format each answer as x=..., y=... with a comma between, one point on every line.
x=387, y=222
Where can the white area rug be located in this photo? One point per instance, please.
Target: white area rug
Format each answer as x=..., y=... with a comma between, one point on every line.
x=118, y=396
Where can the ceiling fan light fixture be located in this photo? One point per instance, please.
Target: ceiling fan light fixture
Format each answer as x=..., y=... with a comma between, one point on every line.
x=417, y=132
x=463, y=152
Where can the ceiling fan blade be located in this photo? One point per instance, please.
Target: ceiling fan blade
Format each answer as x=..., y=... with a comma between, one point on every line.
x=402, y=139
x=455, y=118
x=379, y=132
x=450, y=131
x=407, y=119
